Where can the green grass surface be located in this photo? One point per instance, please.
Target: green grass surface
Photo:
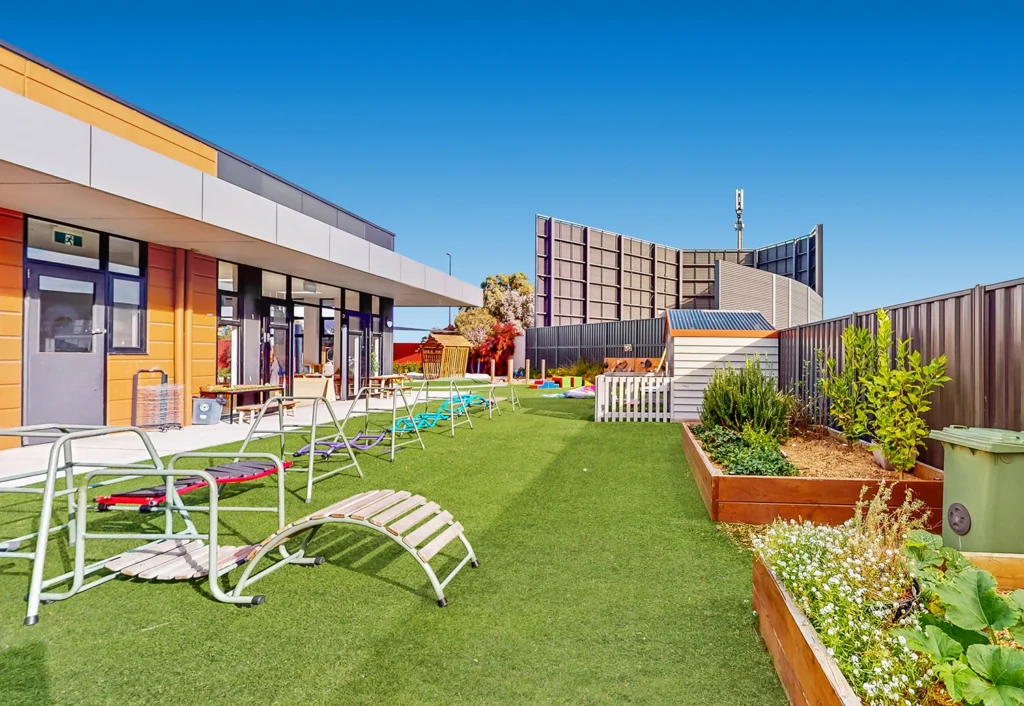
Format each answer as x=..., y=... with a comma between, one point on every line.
x=601, y=582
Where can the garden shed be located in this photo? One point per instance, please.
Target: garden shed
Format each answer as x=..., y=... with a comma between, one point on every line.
x=445, y=355
x=698, y=340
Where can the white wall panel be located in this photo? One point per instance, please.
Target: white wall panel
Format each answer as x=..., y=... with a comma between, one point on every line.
x=126, y=169
x=347, y=249
x=40, y=138
x=232, y=207
x=385, y=263
x=300, y=232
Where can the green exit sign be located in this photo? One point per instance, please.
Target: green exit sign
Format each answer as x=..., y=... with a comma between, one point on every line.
x=70, y=239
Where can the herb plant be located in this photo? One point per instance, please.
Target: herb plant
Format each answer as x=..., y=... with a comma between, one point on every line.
x=753, y=452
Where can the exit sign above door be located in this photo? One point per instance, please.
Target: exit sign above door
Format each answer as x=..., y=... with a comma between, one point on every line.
x=69, y=239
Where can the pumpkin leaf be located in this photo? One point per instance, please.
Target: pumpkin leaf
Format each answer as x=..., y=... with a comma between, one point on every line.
x=933, y=642
x=1018, y=598
x=966, y=638
x=997, y=678
x=972, y=603
x=954, y=676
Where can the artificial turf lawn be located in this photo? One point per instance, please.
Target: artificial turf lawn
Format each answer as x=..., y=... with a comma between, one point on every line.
x=601, y=582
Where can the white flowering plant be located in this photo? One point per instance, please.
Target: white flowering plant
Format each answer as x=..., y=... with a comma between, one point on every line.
x=854, y=584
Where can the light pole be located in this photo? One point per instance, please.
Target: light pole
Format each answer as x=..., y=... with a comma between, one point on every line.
x=449, y=274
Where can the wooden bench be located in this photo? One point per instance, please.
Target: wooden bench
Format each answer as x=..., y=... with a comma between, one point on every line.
x=248, y=412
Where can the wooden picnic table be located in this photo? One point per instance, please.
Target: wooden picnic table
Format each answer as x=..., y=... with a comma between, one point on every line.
x=382, y=383
x=233, y=392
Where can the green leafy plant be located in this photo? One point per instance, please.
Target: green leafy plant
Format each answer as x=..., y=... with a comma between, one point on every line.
x=737, y=398
x=898, y=394
x=754, y=452
x=846, y=388
x=963, y=634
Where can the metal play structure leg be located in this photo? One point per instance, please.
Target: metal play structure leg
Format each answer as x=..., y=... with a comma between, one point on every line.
x=63, y=436
x=284, y=429
x=400, y=424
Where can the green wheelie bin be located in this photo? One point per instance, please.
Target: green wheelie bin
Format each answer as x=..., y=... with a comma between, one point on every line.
x=983, y=489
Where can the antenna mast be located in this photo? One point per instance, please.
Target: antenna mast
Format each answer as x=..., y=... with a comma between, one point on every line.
x=739, y=219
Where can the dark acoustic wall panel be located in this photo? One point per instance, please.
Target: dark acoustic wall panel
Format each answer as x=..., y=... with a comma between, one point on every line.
x=588, y=275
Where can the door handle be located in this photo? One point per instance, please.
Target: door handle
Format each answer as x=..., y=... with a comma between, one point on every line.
x=98, y=330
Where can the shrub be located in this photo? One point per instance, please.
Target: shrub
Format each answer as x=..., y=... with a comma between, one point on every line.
x=737, y=398
x=581, y=368
x=750, y=461
x=403, y=368
x=898, y=394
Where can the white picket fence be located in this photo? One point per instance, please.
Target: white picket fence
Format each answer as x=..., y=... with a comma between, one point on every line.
x=633, y=397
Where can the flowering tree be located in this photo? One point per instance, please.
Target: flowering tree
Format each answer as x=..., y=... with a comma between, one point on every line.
x=509, y=299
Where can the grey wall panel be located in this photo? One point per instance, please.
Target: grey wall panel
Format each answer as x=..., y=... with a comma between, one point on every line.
x=248, y=177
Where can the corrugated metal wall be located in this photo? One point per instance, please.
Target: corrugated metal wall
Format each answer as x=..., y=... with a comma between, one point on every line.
x=745, y=289
x=564, y=345
x=981, y=333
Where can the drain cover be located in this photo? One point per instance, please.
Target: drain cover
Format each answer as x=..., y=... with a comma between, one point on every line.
x=959, y=519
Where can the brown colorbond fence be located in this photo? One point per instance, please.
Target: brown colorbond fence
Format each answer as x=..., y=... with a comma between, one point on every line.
x=981, y=333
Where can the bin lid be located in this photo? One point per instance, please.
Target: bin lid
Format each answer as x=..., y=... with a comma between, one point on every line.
x=997, y=441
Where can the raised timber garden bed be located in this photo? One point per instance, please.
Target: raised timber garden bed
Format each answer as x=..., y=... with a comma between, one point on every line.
x=809, y=676
x=759, y=500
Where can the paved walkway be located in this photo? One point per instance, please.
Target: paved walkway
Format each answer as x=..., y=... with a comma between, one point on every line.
x=127, y=448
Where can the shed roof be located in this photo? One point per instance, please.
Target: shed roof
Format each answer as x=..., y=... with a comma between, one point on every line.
x=682, y=322
x=451, y=340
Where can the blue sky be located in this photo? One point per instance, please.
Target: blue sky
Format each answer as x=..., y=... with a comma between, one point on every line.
x=898, y=127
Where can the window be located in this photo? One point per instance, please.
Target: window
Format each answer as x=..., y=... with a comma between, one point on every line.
x=375, y=305
x=124, y=256
x=64, y=245
x=351, y=300
x=126, y=315
x=65, y=315
x=275, y=285
x=227, y=276
x=227, y=355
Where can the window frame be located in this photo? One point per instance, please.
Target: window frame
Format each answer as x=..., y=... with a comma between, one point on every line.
x=108, y=281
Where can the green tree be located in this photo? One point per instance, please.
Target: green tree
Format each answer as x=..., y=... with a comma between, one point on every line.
x=475, y=324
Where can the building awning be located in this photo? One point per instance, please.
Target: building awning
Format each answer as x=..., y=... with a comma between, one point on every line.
x=57, y=167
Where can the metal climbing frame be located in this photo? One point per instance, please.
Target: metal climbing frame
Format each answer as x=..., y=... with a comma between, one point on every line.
x=393, y=431
x=62, y=436
x=284, y=429
x=455, y=391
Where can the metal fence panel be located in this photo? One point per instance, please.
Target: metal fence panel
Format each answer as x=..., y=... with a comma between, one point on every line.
x=560, y=346
x=979, y=330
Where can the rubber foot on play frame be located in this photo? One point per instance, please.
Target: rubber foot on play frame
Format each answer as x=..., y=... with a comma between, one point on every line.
x=32, y=620
x=475, y=564
x=442, y=602
x=256, y=600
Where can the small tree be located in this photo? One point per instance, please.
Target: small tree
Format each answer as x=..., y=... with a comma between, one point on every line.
x=500, y=343
x=898, y=394
x=846, y=389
